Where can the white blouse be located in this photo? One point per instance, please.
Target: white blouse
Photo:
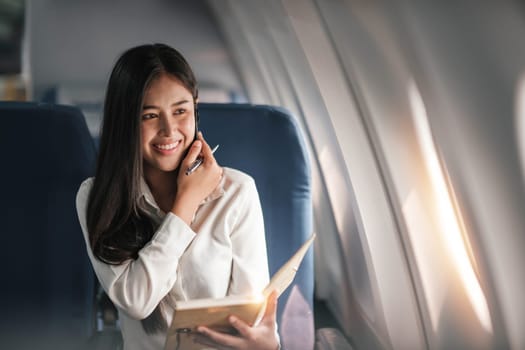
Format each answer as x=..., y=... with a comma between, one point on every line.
x=222, y=252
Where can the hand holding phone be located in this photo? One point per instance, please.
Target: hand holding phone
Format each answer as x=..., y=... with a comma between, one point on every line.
x=198, y=162
x=205, y=176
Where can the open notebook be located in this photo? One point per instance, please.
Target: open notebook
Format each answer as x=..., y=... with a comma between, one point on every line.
x=214, y=313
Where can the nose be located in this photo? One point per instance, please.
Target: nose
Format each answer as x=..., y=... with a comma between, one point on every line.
x=167, y=125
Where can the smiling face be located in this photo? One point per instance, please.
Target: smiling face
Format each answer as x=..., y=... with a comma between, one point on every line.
x=167, y=126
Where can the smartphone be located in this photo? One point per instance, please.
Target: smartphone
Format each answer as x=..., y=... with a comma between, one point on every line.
x=196, y=112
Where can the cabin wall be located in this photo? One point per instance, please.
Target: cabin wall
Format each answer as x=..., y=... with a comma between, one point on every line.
x=75, y=43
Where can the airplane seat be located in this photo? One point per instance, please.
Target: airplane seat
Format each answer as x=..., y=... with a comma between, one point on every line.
x=47, y=294
x=265, y=142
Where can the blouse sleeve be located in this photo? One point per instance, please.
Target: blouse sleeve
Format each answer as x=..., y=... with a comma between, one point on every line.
x=137, y=286
x=250, y=262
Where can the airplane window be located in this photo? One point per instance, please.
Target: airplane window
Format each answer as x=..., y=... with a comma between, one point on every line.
x=469, y=84
x=451, y=235
x=330, y=58
x=414, y=70
x=381, y=77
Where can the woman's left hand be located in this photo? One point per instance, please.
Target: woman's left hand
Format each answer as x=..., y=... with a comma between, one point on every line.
x=261, y=337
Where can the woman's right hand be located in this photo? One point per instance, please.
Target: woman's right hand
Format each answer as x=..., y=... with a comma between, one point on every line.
x=261, y=337
x=194, y=188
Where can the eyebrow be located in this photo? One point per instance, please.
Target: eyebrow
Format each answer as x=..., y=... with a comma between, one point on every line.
x=178, y=103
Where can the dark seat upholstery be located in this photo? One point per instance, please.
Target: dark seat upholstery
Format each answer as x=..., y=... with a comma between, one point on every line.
x=265, y=142
x=46, y=295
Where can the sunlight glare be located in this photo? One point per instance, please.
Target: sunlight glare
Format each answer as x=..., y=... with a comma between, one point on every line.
x=449, y=224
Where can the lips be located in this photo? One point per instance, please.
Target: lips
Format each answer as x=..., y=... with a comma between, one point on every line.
x=166, y=147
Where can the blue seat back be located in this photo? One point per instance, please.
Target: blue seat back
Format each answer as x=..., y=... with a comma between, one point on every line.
x=266, y=143
x=46, y=295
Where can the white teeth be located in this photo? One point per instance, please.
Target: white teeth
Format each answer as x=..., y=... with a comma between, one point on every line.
x=168, y=147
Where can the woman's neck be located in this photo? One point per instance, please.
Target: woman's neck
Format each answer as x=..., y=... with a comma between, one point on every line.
x=163, y=187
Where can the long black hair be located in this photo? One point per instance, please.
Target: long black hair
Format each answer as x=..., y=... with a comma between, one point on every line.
x=118, y=227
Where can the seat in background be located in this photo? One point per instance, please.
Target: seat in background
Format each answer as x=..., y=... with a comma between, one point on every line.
x=265, y=142
x=46, y=296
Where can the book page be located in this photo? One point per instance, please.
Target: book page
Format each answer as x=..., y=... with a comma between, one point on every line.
x=285, y=275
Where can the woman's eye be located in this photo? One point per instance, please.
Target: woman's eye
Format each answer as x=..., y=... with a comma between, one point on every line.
x=179, y=111
x=148, y=116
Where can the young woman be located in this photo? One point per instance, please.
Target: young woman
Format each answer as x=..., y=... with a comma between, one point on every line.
x=156, y=235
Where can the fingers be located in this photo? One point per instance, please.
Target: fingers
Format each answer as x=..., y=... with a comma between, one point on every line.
x=206, y=150
x=193, y=152
x=240, y=326
x=219, y=338
x=262, y=336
